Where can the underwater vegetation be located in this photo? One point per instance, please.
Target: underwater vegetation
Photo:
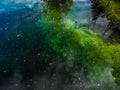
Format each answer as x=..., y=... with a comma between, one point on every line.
x=80, y=46
x=116, y=63
x=112, y=9
x=56, y=10
x=54, y=45
x=90, y=53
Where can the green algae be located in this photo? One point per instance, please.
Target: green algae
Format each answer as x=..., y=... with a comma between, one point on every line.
x=112, y=9
x=80, y=46
x=115, y=48
x=58, y=41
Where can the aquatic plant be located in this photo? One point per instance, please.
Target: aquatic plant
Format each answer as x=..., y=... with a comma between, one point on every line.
x=59, y=5
x=80, y=46
x=112, y=9
x=56, y=10
x=115, y=48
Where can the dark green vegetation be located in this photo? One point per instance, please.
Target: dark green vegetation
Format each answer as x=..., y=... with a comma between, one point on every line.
x=116, y=63
x=111, y=8
x=54, y=45
x=57, y=9
x=77, y=45
x=81, y=46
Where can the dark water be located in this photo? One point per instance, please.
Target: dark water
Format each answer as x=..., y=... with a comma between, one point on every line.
x=27, y=62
